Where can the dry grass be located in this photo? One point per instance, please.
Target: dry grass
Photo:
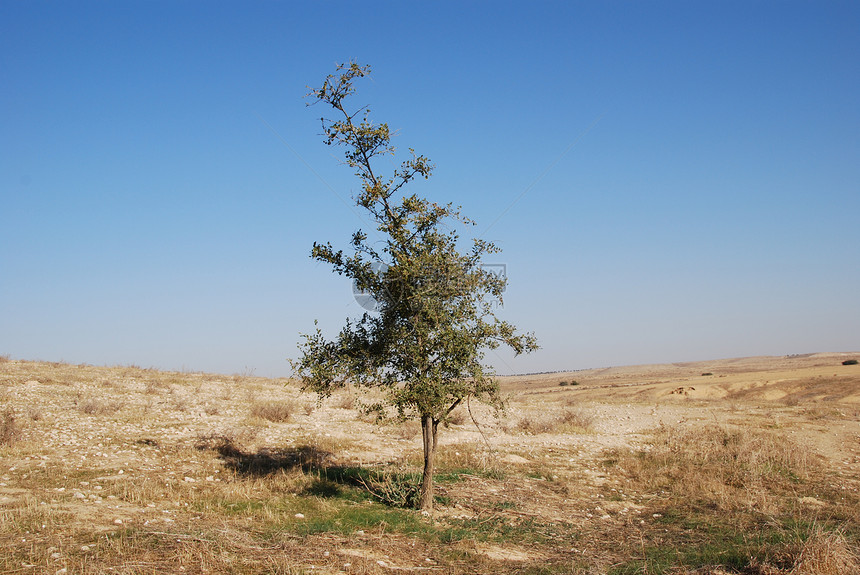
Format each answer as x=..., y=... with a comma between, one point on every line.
x=826, y=553
x=731, y=468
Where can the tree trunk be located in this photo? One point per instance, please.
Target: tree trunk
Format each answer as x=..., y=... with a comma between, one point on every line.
x=429, y=428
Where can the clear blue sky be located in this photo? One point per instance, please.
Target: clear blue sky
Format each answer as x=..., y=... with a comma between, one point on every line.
x=669, y=181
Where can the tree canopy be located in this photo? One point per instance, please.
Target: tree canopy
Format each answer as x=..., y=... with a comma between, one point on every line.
x=425, y=346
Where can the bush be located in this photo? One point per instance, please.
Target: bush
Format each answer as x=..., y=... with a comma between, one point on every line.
x=849, y=362
x=566, y=383
x=707, y=373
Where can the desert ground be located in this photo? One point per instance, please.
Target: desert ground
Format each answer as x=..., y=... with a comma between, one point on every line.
x=730, y=466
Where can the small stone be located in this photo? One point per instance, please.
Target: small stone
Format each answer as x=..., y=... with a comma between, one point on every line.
x=85, y=548
x=359, y=532
x=117, y=521
x=299, y=516
x=79, y=495
x=55, y=555
x=189, y=480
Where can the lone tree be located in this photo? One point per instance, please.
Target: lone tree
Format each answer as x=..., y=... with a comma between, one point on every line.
x=424, y=345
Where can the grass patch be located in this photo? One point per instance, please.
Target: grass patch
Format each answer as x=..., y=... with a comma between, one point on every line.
x=712, y=545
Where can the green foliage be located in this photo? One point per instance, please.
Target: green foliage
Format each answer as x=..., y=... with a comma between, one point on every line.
x=424, y=348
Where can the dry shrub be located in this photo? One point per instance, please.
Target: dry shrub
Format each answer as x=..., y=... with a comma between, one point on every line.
x=91, y=406
x=409, y=429
x=570, y=420
x=10, y=431
x=154, y=386
x=275, y=411
x=534, y=426
x=731, y=468
x=456, y=417
x=4, y=358
x=346, y=401
x=576, y=419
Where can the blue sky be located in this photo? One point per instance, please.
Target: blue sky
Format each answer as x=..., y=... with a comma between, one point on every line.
x=669, y=181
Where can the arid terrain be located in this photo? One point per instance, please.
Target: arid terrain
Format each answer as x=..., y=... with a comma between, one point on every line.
x=731, y=466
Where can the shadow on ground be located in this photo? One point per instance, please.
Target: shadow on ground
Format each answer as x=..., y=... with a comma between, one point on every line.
x=267, y=460
x=392, y=487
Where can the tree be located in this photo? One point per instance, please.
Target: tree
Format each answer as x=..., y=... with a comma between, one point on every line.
x=425, y=344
